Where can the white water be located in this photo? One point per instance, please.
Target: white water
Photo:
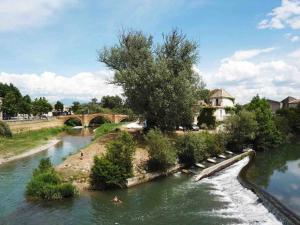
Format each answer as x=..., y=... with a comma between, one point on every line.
x=242, y=203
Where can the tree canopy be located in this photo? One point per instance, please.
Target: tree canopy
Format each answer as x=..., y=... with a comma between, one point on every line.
x=59, y=106
x=158, y=82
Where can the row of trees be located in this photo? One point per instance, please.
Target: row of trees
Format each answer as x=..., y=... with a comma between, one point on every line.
x=255, y=125
x=14, y=103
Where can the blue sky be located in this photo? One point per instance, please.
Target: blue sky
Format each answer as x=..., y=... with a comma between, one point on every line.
x=246, y=47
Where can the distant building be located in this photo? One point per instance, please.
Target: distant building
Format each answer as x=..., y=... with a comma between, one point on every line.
x=285, y=102
x=293, y=104
x=220, y=100
x=275, y=105
x=288, y=102
x=1, y=114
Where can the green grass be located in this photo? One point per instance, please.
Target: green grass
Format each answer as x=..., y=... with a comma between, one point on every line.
x=105, y=129
x=22, y=142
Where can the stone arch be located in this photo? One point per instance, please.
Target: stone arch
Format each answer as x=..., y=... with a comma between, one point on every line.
x=94, y=117
x=73, y=117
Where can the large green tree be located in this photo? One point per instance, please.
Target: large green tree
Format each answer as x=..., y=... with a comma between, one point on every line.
x=111, y=102
x=25, y=106
x=159, y=82
x=267, y=135
x=41, y=106
x=59, y=106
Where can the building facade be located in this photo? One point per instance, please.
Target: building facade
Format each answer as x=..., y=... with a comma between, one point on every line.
x=221, y=100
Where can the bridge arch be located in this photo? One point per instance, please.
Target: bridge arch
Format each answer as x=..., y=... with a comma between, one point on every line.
x=97, y=120
x=75, y=119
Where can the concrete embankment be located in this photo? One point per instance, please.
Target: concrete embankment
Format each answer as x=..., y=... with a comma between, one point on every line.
x=143, y=178
x=222, y=165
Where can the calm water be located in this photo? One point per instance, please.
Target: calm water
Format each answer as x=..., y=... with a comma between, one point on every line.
x=278, y=172
x=172, y=200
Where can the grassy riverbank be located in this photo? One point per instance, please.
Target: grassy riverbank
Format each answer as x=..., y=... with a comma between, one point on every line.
x=106, y=128
x=22, y=142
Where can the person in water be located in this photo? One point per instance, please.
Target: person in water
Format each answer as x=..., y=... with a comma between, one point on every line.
x=116, y=200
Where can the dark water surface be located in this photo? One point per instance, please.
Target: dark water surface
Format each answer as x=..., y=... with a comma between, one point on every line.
x=173, y=200
x=278, y=172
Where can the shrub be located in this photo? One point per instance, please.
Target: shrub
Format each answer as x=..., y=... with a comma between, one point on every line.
x=5, y=130
x=47, y=184
x=112, y=169
x=191, y=148
x=241, y=129
x=106, y=175
x=162, y=154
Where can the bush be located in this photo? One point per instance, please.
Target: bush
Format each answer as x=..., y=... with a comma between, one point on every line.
x=5, y=130
x=47, y=184
x=107, y=175
x=162, y=154
x=191, y=148
x=241, y=129
x=112, y=169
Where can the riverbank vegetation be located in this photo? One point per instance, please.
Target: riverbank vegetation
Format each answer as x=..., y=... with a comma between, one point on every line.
x=47, y=184
x=112, y=169
x=106, y=128
x=21, y=142
x=5, y=130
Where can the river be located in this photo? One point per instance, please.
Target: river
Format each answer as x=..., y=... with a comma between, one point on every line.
x=176, y=199
x=278, y=173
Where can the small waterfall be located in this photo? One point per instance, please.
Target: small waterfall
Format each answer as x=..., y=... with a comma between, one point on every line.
x=242, y=203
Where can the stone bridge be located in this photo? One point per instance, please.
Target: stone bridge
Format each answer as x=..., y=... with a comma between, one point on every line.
x=85, y=119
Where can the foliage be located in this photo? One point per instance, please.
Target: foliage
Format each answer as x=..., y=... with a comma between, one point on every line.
x=191, y=148
x=111, y=102
x=207, y=118
x=267, y=135
x=5, y=130
x=25, y=106
x=112, y=169
x=14, y=103
x=162, y=153
x=47, y=184
x=41, y=106
x=195, y=147
x=59, y=106
x=159, y=83
x=291, y=120
x=75, y=107
x=241, y=128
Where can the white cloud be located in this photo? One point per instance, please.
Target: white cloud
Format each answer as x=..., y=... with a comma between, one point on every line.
x=295, y=54
x=286, y=15
x=82, y=86
x=245, y=77
x=248, y=54
x=292, y=38
x=15, y=14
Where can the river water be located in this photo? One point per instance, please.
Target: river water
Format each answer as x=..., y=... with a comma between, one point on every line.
x=175, y=199
x=278, y=173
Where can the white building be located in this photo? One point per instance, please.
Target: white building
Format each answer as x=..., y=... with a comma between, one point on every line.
x=220, y=100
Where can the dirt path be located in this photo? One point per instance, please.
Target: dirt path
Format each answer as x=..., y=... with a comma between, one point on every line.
x=76, y=168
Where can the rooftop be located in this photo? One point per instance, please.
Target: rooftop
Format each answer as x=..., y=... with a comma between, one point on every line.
x=220, y=93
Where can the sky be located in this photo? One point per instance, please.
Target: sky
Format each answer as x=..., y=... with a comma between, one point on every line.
x=49, y=47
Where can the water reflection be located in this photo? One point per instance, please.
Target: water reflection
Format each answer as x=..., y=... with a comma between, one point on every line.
x=278, y=172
